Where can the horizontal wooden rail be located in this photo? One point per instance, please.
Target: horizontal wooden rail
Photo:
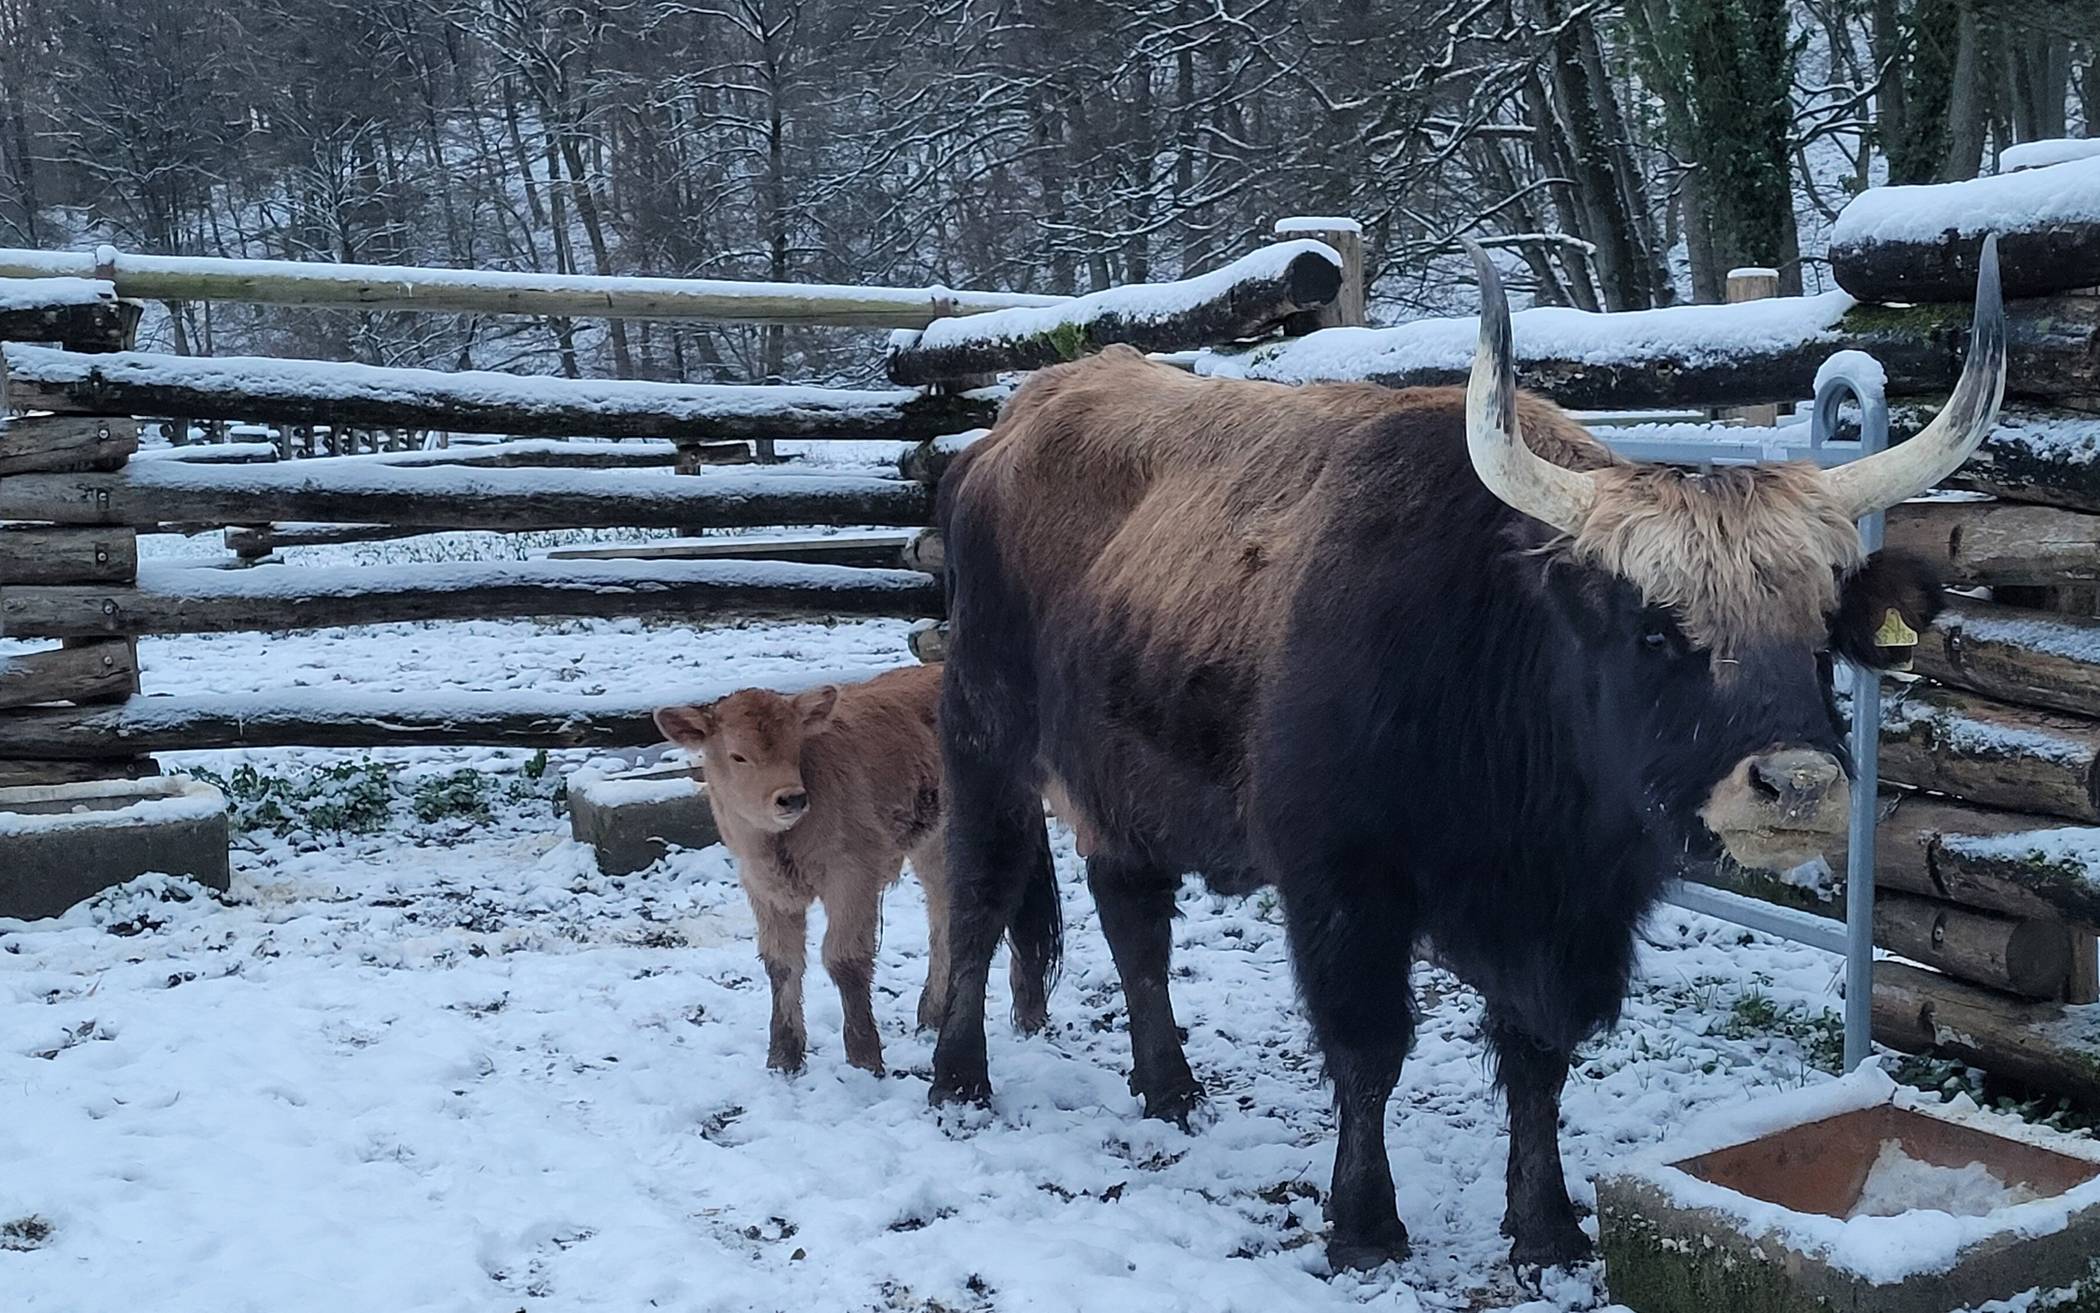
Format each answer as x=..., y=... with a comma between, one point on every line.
x=326, y=718
x=183, y=600
x=151, y=494
x=471, y=291
x=527, y=405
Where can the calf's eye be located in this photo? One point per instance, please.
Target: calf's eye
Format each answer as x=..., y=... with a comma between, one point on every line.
x=738, y=758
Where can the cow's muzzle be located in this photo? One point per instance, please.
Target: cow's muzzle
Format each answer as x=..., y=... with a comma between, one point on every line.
x=1779, y=809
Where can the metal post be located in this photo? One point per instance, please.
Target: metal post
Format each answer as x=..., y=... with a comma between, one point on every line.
x=1865, y=384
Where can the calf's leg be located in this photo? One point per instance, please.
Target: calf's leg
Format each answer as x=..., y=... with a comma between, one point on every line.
x=852, y=917
x=1137, y=911
x=783, y=946
x=1540, y=1220
x=1353, y=944
x=929, y=862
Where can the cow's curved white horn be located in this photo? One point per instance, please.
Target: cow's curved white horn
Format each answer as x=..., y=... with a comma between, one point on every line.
x=1877, y=482
x=1511, y=469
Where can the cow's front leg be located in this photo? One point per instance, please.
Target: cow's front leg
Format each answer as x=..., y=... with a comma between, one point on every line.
x=1540, y=1221
x=1137, y=913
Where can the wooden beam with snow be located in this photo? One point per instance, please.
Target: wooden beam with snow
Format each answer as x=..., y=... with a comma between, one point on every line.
x=1922, y=243
x=2033, y=658
x=182, y=600
x=150, y=494
x=326, y=718
x=555, y=454
x=472, y=291
x=867, y=550
x=1986, y=542
x=49, y=554
x=1712, y=355
x=2050, y=457
x=31, y=444
x=17, y=773
x=1985, y=752
x=1920, y=1011
x=1244, y=299
x=80, y=313
x=368, y=396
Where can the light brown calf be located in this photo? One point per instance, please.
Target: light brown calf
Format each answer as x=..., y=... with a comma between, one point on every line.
x=822, y=797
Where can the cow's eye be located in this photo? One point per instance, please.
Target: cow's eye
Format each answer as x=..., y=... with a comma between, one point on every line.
x=1655, y=640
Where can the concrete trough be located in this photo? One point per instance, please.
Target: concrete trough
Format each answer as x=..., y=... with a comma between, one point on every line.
x=1856, y=1197
x=633, y=818
x=61, y=843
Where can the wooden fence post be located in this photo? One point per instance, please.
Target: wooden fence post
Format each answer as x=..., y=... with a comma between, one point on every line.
x=1346, y=236
x=1752, y=285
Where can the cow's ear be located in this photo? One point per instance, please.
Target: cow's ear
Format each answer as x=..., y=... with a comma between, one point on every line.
x=688, y=727
x=816, y=707
x=1883, y=608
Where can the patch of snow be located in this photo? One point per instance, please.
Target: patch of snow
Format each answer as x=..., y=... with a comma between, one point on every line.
x=1898, y=1183
x=46, y=293
x=1856, y=367
x=1313, y=223
x=2036, y=632
x=617, y=576
x=1139, y=303
x=2066, y=847
x=2058, y=438
x=44, y=810
x=611, y=790
x=1753, y=271
x=2028, y=201
x=2055, y=150
x=1694, y=334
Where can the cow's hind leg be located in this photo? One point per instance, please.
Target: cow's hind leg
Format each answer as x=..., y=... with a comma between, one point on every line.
x=1353, y=945
x=1540, y=1222
x=994, y=826
x=1137, y=911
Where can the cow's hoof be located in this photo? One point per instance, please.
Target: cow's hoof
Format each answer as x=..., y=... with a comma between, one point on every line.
x=1556, y=1246
x=1362, y=1253
x=1183, y=1105
x=971, y=1091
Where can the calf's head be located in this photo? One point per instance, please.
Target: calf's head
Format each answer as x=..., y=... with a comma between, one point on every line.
x=750, y=745
x=1706, y=607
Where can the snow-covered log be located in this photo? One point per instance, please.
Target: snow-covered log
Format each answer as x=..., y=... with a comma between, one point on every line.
x=1920, y=1011
x=166, y=492
x=80, y=313
x=1244, y=299
x=17, y=773
x=368, y=396
x=472, y=291
x=1985, y=752
x=178, y=600
x=50, y=554
x=254, y=541
x=81, y=672
x=929, y=460
x=1989, y=542
x=1700, y=355
x=1922, y=243
x=929, y=642
x=555, y=454
x=328, y=718
x=2053, y=150
x=926, y=552
x=2047, y=456
x=2034, y=658
x=33, y=443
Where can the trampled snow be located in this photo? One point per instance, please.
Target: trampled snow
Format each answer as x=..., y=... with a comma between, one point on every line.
x=46, y=293
x=1695, y=334
x=2011, y=202
x=449, y=1065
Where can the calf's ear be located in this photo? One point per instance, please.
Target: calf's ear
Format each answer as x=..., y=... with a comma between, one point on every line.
x=1883, y=608
x=816, y=706
x=688, y=727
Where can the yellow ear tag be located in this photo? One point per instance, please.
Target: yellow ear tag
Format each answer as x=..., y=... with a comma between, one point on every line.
x=1895, y=633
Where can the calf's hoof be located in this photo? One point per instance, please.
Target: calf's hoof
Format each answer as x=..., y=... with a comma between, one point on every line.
x=1361, y=1253
x=786, y=1061
x=1560, y=1245
x=867, y=1059
x=931, y=1011
x=1031, y=1016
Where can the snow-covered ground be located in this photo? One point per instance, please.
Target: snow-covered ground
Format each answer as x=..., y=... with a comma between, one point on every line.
x=445, y=1064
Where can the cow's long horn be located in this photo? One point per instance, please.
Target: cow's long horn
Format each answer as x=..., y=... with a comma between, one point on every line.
x=1511, y=469
x=1877, y=482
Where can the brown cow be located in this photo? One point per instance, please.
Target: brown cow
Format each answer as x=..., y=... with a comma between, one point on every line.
x=822, y=796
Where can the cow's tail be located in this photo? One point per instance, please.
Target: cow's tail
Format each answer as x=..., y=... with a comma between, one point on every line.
x=1037, y=937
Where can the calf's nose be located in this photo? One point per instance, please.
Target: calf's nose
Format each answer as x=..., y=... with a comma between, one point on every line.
x=791, y=801
x=1796, y=781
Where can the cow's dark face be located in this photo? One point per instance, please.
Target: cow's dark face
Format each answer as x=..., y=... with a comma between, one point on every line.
x=1744, y=750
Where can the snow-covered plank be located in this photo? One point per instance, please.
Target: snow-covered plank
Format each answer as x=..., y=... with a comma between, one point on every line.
x=83, y=671
x=331, y=718
x=453, y=497
x=177, y=600
x=82, y=313
x=33, y=443
x=1921, y=243
x=872, y=550
x=2032, y=658
x=370, y=396
x=472, y=291
x=58, y=554
x=2051, y=457
x=1698, y=355
x=2040, y=154
x=929, y=460
x=1244, y=299
x=1976, y=541
x=1985, y=752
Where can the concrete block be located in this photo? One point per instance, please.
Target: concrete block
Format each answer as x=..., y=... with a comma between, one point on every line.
x=61, y=843
x=633, y=818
